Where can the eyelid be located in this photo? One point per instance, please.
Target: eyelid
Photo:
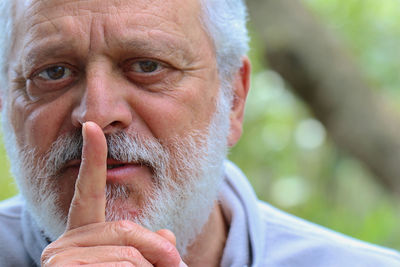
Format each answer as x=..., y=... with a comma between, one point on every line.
x=138, y=67
x=40, y=85
x=42, y=69
x=67, y=72
x=162, y=65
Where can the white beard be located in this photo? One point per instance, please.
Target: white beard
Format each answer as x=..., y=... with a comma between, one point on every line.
x=181, y=204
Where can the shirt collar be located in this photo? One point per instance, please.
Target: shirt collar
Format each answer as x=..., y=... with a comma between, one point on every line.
x=240, y=206
x=35, y=240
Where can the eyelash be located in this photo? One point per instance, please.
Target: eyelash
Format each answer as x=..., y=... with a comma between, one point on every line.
x=135, y=71
x=146, y=78
x=65, y=73
x=38, y=74
x=144, y=61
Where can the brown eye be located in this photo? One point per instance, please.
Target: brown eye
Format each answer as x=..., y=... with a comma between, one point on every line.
x=146, y=66
x=55, y=73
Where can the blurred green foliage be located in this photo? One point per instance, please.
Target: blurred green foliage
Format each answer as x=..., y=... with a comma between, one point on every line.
x=371, y=30
x=7, y=186
x=287, y=154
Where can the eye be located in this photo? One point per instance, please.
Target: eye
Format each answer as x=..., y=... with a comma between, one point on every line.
x=147, y=71
x=146, y=66
x=55, y=73
x=51, y=78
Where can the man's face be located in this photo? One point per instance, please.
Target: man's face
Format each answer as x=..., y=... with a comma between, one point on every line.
x=141, y=66
x=145, y=68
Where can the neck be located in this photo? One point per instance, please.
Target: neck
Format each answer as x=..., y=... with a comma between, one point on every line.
x=208, y=248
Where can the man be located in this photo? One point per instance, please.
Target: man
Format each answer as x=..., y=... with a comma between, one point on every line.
x=117, y=116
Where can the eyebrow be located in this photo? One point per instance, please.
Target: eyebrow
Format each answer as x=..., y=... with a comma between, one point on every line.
x=157, y=47
x=161, y=46
x=47, y=50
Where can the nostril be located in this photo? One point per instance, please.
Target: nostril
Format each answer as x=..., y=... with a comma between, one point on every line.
x=114, y=126
x=109, y=111
x=115, y=123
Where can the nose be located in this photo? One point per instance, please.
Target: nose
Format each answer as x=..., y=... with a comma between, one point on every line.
x=103, y=101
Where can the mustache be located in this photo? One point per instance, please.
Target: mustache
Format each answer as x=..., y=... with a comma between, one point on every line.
x=121, y=146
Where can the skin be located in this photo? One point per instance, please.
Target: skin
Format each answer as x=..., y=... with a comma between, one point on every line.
x=101, y=44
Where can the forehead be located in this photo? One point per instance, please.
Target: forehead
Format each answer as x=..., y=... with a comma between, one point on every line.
x=174, y=9
x=39, y=19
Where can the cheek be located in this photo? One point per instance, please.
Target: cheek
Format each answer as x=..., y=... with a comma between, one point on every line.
x=175, y=115
x=37, y=125
x=40, y=127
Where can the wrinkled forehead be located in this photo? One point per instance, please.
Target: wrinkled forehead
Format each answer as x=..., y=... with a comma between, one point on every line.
x=100, y=6
x=166, y=6
x=94, y=25
x=34, y=12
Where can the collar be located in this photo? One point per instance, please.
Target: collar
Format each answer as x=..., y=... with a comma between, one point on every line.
x=240, y=206
x=34, y=238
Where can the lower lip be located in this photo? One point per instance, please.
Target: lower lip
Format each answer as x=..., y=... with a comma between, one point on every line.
x=119, y=174
x=126, y=172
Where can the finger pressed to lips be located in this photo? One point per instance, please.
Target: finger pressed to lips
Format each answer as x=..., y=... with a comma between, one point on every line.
x=88, y=203
x=86, y=219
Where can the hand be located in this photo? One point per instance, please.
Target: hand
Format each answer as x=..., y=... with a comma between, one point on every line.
x=88, y=239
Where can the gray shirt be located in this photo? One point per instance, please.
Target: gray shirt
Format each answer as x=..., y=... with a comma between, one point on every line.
x=259, y=235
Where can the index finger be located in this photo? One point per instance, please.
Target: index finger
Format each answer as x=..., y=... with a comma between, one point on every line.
x=89, y=201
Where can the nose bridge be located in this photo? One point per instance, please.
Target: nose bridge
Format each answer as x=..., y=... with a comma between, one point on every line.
x=97, y=98
x=101, y=101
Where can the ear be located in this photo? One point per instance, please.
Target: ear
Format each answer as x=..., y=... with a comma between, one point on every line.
x=241, y=86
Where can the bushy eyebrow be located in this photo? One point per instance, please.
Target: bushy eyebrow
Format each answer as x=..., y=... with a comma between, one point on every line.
x=36, y=54
x=162, y=47
x=159, y=47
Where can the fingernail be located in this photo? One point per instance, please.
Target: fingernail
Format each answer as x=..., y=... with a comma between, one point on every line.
x=182, y=264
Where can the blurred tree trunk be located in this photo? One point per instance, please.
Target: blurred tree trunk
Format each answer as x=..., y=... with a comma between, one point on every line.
x=321, y=71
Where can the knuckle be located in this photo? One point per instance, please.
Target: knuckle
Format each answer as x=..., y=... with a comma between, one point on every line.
x=49, y=254
x=82, y=192
x=76, y=204
x=130, y=253
x=51, y=259
x=124, y=229
x=125, y=225
x=79, y=188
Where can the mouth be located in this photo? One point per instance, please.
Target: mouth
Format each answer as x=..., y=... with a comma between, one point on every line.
x=116, y=170
x=111, y=164
x=114, y=166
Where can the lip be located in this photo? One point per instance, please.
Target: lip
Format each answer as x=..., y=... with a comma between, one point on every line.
x=120, y=171
x=124, y=171
x=76, y=163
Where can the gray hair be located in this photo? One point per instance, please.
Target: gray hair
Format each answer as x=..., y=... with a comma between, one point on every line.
x=224, y=21
x=6, y=30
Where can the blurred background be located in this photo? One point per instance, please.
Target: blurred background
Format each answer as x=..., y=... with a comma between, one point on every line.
x=322, y=127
